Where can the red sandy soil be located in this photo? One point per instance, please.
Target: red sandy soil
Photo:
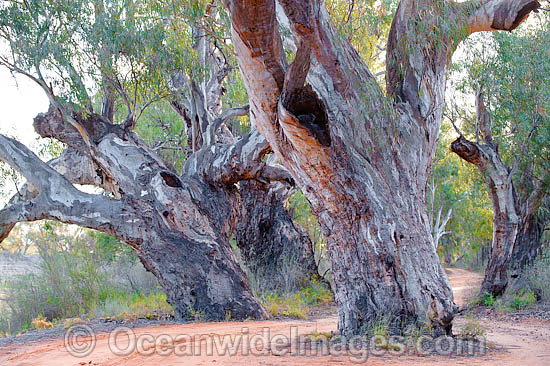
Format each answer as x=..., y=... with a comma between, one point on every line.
x=522, y=343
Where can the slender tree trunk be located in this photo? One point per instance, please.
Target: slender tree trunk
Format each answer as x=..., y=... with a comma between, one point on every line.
x=506, y=220
x=277, y=251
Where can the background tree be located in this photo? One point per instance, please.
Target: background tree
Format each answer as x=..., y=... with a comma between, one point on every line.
x=508, y=142
x=455, y=185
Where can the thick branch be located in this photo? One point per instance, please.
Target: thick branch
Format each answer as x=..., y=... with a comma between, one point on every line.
x=468, y=151
x=495, y=15
x=57, y=198
x=230, y=163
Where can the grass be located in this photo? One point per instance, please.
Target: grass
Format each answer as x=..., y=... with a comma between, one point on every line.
x=121, y=305
x=472, y=328
x=297, y=304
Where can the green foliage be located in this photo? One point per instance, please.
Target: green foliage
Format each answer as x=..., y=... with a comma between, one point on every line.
x=523, y=300
x=488, y=300
x=131, y=306
x=316, y=293
x=511, y=69
x=80, y=273
x=365, y=24
x=458, y=185
x=297, y=304
x=197, y=315
x=300, y=209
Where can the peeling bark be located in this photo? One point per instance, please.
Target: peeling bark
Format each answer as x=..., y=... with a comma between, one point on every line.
x=179, y=226
x=364, y=164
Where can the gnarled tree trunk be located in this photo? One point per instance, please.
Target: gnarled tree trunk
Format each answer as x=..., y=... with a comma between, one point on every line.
x=179, y=226
x=277, y=251
x=362, y=158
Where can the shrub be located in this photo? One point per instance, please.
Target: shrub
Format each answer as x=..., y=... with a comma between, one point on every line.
x=41, y=323
x=523, y=300
x=488, y=300
x=472, y=328
x=297, y=304
x=81, y=274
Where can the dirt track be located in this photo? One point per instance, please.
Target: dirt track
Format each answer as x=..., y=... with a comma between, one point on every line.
x=522, y=343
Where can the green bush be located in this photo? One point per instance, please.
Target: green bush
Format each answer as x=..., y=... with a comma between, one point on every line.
x=472, y=328
x=488, y=300
x=523, y=300
x=297, y=304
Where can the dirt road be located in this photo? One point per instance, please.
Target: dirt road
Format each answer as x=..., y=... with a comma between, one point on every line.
x=523, y=343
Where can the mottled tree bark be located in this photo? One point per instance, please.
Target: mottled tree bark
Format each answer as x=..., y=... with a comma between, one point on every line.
x=513, y=213
x=362, y=158
x=277, y=251
x=179, y=226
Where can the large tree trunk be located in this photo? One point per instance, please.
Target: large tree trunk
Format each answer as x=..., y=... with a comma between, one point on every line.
x=362, y=159
x=277, y=251
x=179, y=226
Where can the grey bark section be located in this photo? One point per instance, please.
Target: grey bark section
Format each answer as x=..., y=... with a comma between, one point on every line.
x=526, y=249
x=361, y=159
x=505, y=212
x=179, y=226
x=278, y=252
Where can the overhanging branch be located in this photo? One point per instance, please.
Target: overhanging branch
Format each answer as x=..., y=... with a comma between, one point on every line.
x=57, y=199
x=494, y=15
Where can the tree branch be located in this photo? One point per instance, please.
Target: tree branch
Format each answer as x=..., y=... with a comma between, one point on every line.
x=211, y=130
x=229, y=164
x=495, y=15
x=57, y=199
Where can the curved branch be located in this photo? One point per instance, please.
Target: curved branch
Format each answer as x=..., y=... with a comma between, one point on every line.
x=230, y=163
x=495, y=15
x=57, y=198
x=211, y=130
